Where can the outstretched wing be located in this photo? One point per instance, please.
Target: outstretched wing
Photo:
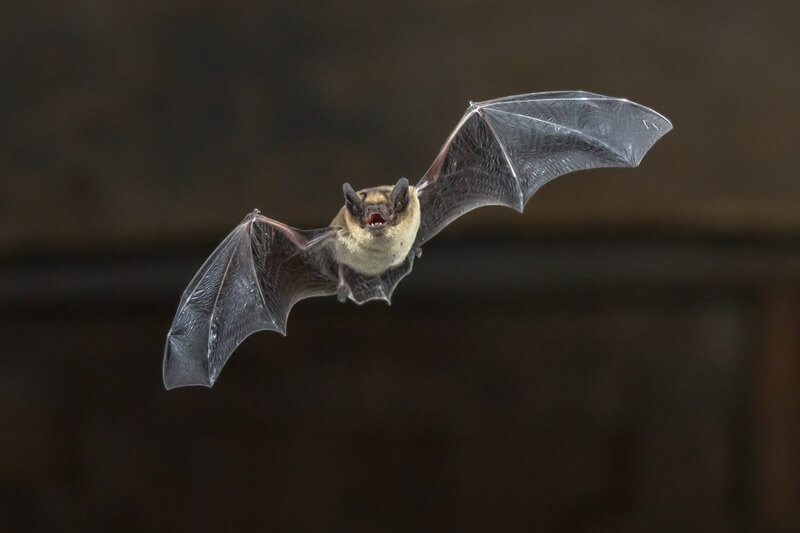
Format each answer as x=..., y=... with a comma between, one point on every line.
x=249, y=283
x=504, y=150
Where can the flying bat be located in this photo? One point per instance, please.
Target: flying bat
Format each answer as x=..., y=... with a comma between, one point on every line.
x=500, y=153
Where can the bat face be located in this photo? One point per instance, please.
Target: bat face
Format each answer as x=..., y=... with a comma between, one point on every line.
x=377, y=209
x=378, y=227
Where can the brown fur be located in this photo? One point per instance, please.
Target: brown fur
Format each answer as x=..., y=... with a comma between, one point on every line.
x=372, y=254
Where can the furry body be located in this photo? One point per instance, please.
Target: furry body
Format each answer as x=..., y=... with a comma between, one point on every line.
x=372, y=253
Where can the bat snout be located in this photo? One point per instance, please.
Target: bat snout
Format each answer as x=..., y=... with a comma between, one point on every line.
x=376, y=217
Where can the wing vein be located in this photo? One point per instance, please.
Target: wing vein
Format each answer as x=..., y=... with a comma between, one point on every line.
x=489, y=103
x=257, y=277
x=503, y=149
x=216, y=299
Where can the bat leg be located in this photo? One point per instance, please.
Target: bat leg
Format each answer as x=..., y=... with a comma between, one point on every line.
x=417, y=251
x=341, y=288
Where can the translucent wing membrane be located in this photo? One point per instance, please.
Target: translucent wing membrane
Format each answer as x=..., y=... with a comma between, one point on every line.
x=504, y=150
x=249, y=283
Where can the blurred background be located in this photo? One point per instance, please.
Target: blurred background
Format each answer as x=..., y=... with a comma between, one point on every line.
x=624, y=356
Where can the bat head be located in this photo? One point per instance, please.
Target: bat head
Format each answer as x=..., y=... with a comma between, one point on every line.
x=378, y=208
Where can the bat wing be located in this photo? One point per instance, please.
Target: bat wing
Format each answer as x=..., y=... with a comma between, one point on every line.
x=249, y=283
x=504, y=150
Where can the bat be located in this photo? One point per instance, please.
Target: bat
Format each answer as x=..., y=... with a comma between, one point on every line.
x=500, y=153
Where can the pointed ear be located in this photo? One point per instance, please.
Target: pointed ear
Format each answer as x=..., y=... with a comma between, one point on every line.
x=351, y=199
x=399, y=194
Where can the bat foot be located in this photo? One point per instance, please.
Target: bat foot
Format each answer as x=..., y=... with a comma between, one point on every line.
x=417, y=251
x=341, y=293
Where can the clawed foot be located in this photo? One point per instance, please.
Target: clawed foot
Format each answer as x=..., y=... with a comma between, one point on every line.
x=341, y=293
x=417, y=251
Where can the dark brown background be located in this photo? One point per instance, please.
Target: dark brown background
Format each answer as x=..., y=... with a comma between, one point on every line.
x=623, y=357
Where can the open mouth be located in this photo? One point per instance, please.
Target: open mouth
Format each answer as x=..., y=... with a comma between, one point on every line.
x=375, y=220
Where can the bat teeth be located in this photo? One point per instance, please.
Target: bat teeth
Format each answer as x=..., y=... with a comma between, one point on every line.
x=375, y=219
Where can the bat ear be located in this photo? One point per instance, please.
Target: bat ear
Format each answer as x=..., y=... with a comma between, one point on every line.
x=351, y=199
x=399, y=194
